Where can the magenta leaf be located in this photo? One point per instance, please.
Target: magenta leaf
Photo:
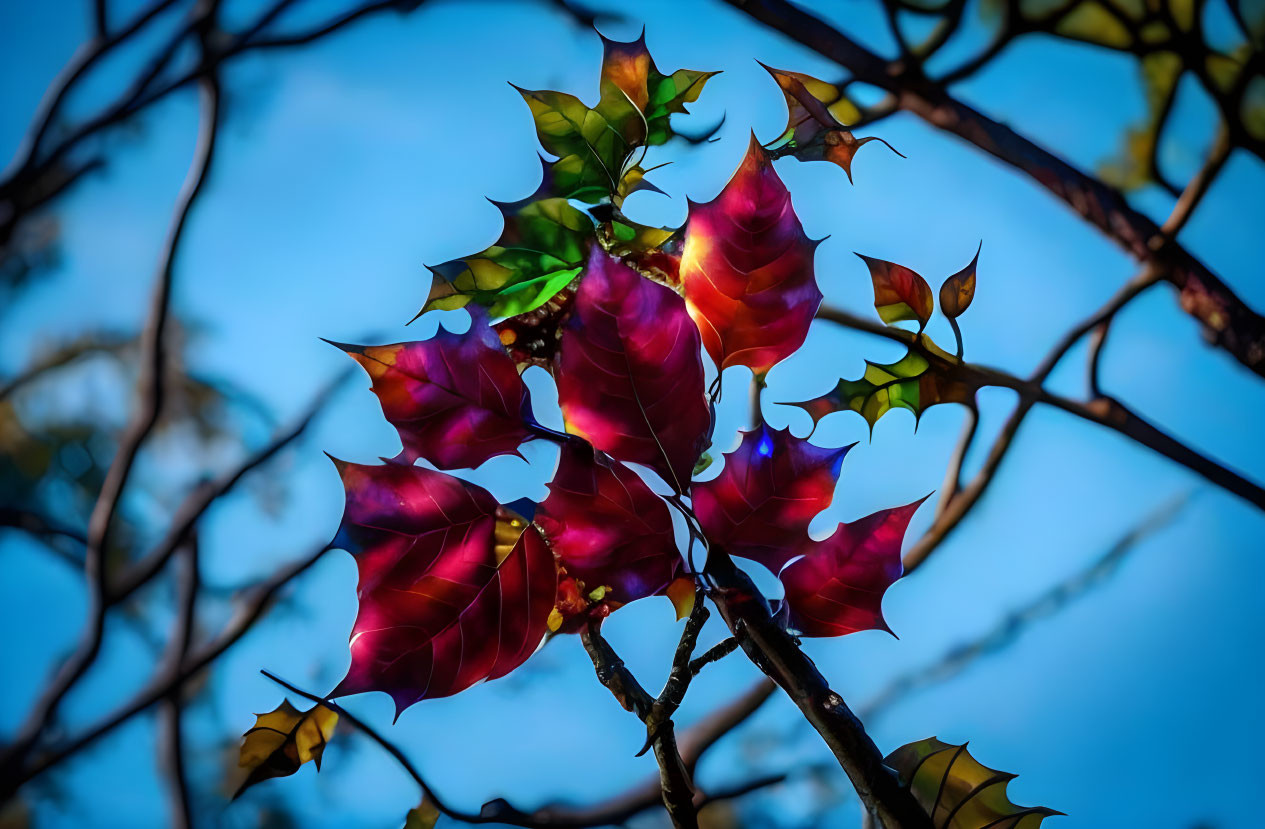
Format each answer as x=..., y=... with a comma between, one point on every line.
x=609, y=531
x=772, y=486
x=456, y=399
x=838, y=586
x=454, y=589
x=630, y=372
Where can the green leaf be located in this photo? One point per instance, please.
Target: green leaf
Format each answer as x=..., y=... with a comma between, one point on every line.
x=926, y=376
x=957, y=791
x=541, y=250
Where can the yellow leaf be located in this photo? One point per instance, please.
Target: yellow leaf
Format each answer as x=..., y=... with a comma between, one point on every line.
x=423, y=816
x=284, y=739
x=957, y=791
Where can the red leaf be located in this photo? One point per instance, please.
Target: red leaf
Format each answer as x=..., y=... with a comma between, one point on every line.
x=455, y=399
x=453, y=588
x=772, y=486
x=899, y=293
x=747, y=269
x=838, y=586
x=630, y=375
x=607, y=528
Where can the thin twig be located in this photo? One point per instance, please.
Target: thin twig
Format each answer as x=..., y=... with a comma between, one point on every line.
x=170, y=719
x=1048, y=603
x=255, y=603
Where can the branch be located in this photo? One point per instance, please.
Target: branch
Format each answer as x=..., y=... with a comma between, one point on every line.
x=1104, y=411
x=1228, y=321
x=1009, y=629
x=778, y=655
x=256, y=603
x=154, y=369
x=170, y=719
x=674, y=778
x=616, y=811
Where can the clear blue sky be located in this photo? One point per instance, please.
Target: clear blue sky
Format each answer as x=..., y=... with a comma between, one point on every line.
x=347, y=165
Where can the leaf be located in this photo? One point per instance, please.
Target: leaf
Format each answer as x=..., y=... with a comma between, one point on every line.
x=747, y=269
x=957, y=791
x=595, y=145
x=837, y=587
x=540, y=250
x=423, y=816
x=924, y=377
x=456, y=399
x=283, y=740
x=959, y=289
x=629, y=68
x=454, y=589
x=630, y=375
x=607, y=529
x=816, y=116
x=682, y=592
x=899, y=293
x=771, y=488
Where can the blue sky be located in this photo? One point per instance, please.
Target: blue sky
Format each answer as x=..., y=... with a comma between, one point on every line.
x=346, y=166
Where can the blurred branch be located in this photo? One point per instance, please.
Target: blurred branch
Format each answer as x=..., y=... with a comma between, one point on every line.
x=254, y=603
x=171, y=727
x=1227, y=320
x=1198, y=185
x=71, y=352
x=153, y=380
x=1007, y=631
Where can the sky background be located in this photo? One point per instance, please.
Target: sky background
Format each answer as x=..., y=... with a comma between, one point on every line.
x=347, y=165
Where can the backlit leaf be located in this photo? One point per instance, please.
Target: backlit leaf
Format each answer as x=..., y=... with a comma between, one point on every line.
x=630, y=375
x=539, y=252
x=454, y=588
x=629, y=67
x=921, y=379
x=747, y=269
x=899, y=292
x=607, y=529
x=456, y=399
x=837, y=587
x=818, y=113
x=771, y=487
x=958, y=290
x=957, y=791
x=282, y=740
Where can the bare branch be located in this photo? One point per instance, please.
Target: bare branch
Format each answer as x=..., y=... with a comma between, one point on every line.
x=154, y=370
x=1052, y=600
x=170, y=718
x=778, y=655
x=256, y=602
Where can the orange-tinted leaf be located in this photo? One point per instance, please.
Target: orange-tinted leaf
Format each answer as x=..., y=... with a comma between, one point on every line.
x=747, y=269
x=611, y=533
x=454, y=589
x=630, y=373
x=771, y=488
x=958, y=290
x=837, y=587
x=455, y=399
x=817, y=115
x=957, y=791
x=629, y=68
x=899, y=293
